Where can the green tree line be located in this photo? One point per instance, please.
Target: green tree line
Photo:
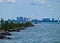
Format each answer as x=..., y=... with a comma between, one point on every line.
x=5, y=25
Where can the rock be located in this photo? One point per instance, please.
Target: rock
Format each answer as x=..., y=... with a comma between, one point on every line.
x=2, y=37
x=22, y=28
x=5, y=33
x=32, y=25
x=8, y=38
x=14, y=30
x=11, y=30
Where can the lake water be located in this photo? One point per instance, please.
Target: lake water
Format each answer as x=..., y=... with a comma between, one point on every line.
x=40, y=33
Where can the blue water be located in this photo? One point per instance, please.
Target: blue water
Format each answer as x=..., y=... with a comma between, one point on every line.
x=40, y=33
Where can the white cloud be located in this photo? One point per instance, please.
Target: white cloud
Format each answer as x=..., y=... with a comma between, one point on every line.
x=11, y=1
x=49, y=4
x=41, y=1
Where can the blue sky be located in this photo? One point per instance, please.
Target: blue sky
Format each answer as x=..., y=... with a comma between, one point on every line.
x=38, y=9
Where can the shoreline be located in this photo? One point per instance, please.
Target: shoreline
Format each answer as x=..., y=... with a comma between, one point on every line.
x=4, y=34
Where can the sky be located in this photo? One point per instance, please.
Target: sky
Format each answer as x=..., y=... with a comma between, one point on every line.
x=35, y=9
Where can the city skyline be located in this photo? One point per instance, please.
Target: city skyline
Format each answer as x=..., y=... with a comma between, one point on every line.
x=30, y=18
x=26, y=19
x=35, y=9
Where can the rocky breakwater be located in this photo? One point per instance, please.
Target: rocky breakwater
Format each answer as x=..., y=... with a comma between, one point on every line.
x=4, y=34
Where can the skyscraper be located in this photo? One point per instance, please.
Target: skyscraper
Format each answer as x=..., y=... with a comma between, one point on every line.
x=20, y=19
x=52, y=19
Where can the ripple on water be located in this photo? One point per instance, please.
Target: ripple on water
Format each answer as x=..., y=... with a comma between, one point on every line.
x=43, y=33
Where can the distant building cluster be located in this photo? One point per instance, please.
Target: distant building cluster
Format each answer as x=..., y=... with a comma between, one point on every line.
x=20, y=19
x=45, y=20
x=27, y=19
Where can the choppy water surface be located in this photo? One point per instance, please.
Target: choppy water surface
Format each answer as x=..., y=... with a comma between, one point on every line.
x=40, y=33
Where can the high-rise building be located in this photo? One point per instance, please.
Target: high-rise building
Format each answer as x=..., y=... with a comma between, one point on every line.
x=20, y=19
x=46, y=20
x=58, y=20
x=25, y=19
x=52, y=19
x=9, y=20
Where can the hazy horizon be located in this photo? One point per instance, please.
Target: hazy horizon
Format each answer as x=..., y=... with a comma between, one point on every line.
x=35, y=9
